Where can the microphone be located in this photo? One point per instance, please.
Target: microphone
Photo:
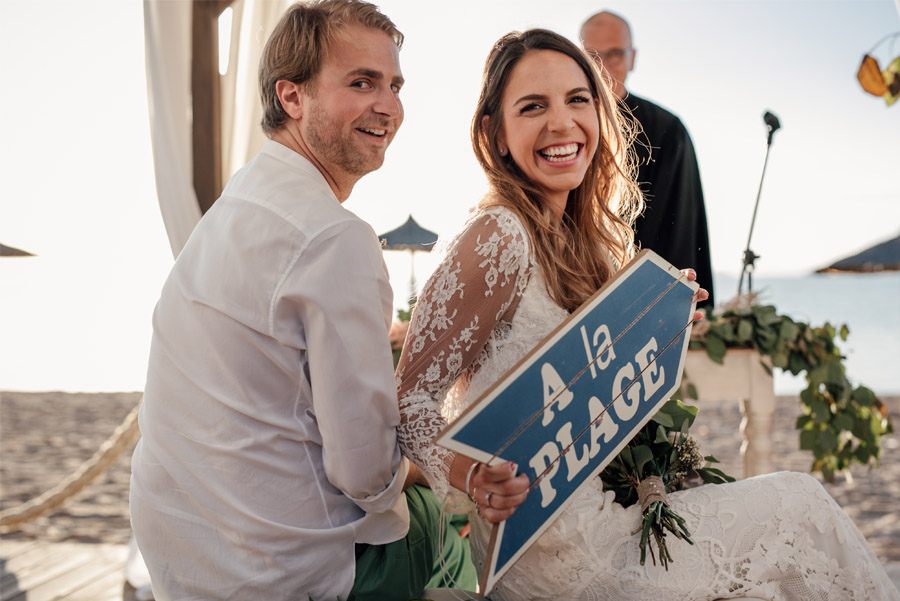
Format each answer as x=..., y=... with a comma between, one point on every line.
x=772, y=123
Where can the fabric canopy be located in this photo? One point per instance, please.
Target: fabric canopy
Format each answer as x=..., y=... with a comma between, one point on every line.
x=168, y=49
x=167, y=36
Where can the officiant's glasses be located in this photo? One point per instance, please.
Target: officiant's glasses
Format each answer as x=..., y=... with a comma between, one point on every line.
x=613, y=56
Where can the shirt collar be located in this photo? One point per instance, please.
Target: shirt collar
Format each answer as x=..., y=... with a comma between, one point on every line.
x=296, y=160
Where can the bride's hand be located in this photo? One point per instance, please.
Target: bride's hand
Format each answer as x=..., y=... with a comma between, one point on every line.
x=701, y=295
x=497, y=491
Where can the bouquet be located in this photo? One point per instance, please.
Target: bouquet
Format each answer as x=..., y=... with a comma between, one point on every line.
x=660, y=459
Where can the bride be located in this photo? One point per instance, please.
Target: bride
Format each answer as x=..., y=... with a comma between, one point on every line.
x=554, y=227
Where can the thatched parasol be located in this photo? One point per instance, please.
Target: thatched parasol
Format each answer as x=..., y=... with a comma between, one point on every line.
x=412, y=237
x=884, y=256
x=11, y=251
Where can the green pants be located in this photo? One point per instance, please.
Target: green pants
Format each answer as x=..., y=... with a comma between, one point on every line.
x=402, y=570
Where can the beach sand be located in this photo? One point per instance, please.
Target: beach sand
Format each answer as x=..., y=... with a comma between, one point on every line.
x=46, y=436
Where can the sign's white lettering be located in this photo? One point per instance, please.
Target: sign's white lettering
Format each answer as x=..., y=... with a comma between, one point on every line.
x=555, y=392
x=627, y=390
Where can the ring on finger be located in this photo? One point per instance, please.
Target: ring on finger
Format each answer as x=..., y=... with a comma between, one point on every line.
x=487, y=499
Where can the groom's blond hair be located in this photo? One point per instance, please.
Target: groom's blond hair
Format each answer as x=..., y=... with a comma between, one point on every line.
x=300, y=41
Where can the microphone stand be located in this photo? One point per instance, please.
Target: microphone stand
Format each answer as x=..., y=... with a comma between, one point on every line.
x=750, y=257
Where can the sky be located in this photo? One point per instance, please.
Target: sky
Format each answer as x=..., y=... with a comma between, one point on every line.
x=78, y=179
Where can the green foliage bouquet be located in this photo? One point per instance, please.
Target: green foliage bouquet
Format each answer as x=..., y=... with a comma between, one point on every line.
x=841, y=423
x=660, y=459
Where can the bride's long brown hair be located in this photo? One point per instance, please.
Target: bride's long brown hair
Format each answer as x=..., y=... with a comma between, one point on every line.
x=595, y=236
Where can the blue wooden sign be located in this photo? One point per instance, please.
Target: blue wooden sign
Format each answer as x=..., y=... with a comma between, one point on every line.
x=570, y=405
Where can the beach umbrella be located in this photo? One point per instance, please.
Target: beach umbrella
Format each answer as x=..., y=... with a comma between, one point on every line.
x=411, y=237
x=11, y=251
x=884, y=256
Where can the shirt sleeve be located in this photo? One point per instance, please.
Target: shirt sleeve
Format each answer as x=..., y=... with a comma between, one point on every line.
x=475, y=289
x=339, y=290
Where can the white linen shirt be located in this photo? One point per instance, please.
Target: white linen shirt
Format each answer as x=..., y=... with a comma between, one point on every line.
x=269, y=419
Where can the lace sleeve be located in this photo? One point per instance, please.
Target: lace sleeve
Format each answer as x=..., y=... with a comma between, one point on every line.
x=474, y=290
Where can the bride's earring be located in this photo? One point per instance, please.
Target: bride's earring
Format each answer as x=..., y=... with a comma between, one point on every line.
x=503, y=149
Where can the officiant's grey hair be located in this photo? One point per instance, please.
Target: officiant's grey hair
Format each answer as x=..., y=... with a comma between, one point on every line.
x=300, y=41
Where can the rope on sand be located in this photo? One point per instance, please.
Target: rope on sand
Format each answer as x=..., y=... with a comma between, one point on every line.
x=123, y=437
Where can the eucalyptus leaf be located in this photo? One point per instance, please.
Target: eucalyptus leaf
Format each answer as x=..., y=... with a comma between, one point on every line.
x=863, y=396
x=664, y=419
x=627, y=457
x=745, y=330
x=807, y=395
x=827, y=440
x=862, y=454
x=661, y=435
x=766, y=315
x=860, y=428
x=689, y=409
x=807, y=440
x=766, y=339
x=712, y=475
x=875, y=425
x=692, y=392
x=723, y=329
x=817, y=375
x=843, y=422
x=834, y=373
x=820, y=411
x=796, y=364
x=642, y=456
x=788, y=330
x=780, y=359
x=715, y=348
x=682, y=415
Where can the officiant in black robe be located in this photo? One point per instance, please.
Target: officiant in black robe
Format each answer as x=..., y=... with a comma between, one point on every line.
x=674, y=221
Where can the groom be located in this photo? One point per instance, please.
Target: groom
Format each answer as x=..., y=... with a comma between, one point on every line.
x=269, y=465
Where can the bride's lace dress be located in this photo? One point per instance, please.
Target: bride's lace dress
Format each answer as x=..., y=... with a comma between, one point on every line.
x=779, y=536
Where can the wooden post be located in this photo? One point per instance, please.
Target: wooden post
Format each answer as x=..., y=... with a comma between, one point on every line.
x=758, y=410
x=206, y=101
x=740, y=378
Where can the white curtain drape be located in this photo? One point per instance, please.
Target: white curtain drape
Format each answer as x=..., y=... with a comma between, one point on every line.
x=167, y=39
x=242, y=136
